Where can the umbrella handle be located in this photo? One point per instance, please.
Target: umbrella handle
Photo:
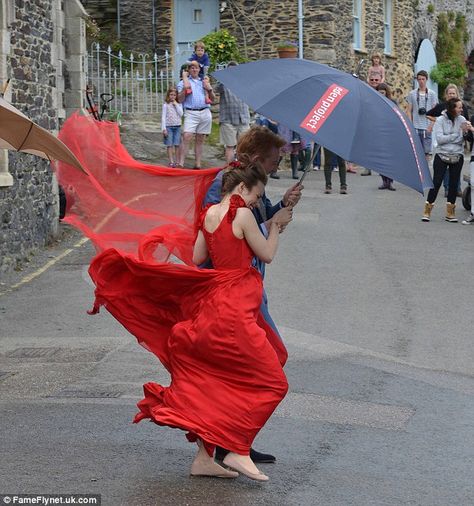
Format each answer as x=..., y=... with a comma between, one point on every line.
x=309, y=163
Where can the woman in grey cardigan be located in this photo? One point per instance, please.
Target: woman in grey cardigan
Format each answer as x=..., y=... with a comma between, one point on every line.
x=448, y=132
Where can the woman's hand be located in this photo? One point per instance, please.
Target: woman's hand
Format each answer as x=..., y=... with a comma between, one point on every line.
x=165, y=133
x=282, y=217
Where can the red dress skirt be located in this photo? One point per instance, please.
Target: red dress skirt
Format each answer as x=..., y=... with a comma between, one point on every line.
x=225, y=362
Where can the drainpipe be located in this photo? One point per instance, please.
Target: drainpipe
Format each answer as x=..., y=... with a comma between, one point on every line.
x=300, y=27
x=118, y=19
x=153, y=23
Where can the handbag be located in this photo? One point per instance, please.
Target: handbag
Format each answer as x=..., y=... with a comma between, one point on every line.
x=450, y=159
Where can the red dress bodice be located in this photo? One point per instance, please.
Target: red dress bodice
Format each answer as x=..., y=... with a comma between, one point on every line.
x=225, y=249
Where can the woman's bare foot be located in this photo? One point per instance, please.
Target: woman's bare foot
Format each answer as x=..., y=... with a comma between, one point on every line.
x=244, y=464
x=203, y=465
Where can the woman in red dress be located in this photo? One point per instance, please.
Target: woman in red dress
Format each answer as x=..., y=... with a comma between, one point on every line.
x=226, y=364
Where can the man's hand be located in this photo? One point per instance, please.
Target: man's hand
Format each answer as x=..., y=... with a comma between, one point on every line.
x=292, y=195
x=283, y=217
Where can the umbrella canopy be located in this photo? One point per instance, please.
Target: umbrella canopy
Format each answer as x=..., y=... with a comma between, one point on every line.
x=336, y=110
x=19, y=133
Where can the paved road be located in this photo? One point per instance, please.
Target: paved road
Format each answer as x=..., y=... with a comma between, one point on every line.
x=376, y=309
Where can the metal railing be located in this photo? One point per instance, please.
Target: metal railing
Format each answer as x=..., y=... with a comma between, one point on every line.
x=137, y=82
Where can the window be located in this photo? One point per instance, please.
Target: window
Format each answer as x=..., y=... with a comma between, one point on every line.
x=197, y=16
x=387, y=26
x=357, y=24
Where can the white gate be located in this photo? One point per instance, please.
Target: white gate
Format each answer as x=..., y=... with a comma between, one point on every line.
x=137, y=83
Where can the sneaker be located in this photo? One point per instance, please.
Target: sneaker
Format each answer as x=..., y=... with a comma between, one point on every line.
x=316, y=167
x=366, y=172
x=469, y=220
x=335, y=169
x=328, y=190
x=274, y=175
x=343, y=190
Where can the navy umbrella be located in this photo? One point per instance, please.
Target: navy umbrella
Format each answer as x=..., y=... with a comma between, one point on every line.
x=336, y=110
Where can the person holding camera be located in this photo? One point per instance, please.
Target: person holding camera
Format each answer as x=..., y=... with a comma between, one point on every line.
x=420, y=101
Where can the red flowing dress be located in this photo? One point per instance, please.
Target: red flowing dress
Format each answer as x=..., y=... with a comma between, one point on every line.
x=225, y=362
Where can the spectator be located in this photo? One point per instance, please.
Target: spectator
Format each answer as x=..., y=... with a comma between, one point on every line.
x=202, y=58
x=376, y=69
x=469, y=136
x=420, y=101
x=387, y=182
x=328, y=155
x=197, y=113
x=451, y=91
x=373, y=80
x=234, y=118
x=294, y=146
x=171, y=115
x=449, y=130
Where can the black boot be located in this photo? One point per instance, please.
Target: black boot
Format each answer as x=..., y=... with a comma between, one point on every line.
x=294, y=166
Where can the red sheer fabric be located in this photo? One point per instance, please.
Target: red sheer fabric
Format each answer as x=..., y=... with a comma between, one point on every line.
x=204, y=325
x=140, y=209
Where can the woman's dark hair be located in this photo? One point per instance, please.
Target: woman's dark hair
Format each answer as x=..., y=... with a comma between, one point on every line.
x=386, y=87
x=243, y=171
x=450, y=108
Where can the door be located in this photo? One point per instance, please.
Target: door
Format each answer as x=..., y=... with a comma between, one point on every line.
x=193, y=20
x=426, y=60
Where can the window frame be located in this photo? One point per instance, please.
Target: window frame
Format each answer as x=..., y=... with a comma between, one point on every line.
x=357, y=25
x=387, y=26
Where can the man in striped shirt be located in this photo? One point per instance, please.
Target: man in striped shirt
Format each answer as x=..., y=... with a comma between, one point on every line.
x=197, y=113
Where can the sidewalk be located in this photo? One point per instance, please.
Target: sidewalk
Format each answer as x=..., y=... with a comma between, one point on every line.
x=143, y=139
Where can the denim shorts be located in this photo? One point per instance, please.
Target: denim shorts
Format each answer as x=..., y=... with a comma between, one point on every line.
x=174, y=136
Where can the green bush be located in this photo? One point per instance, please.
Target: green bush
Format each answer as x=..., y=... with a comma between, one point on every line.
x=451, y=72
x=450, y=50
x=221, y=47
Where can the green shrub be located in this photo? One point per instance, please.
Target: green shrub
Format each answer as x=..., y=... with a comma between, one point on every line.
x=450, y=72
x=450, y=50
x=221, y=47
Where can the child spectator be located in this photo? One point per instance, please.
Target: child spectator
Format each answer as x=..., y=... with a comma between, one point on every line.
x=171, y=125
x=376, y=69
x=202, y=58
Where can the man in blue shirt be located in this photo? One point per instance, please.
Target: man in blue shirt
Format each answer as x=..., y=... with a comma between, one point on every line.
x=197, y=113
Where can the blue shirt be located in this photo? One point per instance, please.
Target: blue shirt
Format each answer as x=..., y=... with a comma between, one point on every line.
x=196, y=99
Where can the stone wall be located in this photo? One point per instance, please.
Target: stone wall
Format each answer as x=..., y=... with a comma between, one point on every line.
x=327, y=29
x=28, y=212
x=136, y=23
x=36, y=62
